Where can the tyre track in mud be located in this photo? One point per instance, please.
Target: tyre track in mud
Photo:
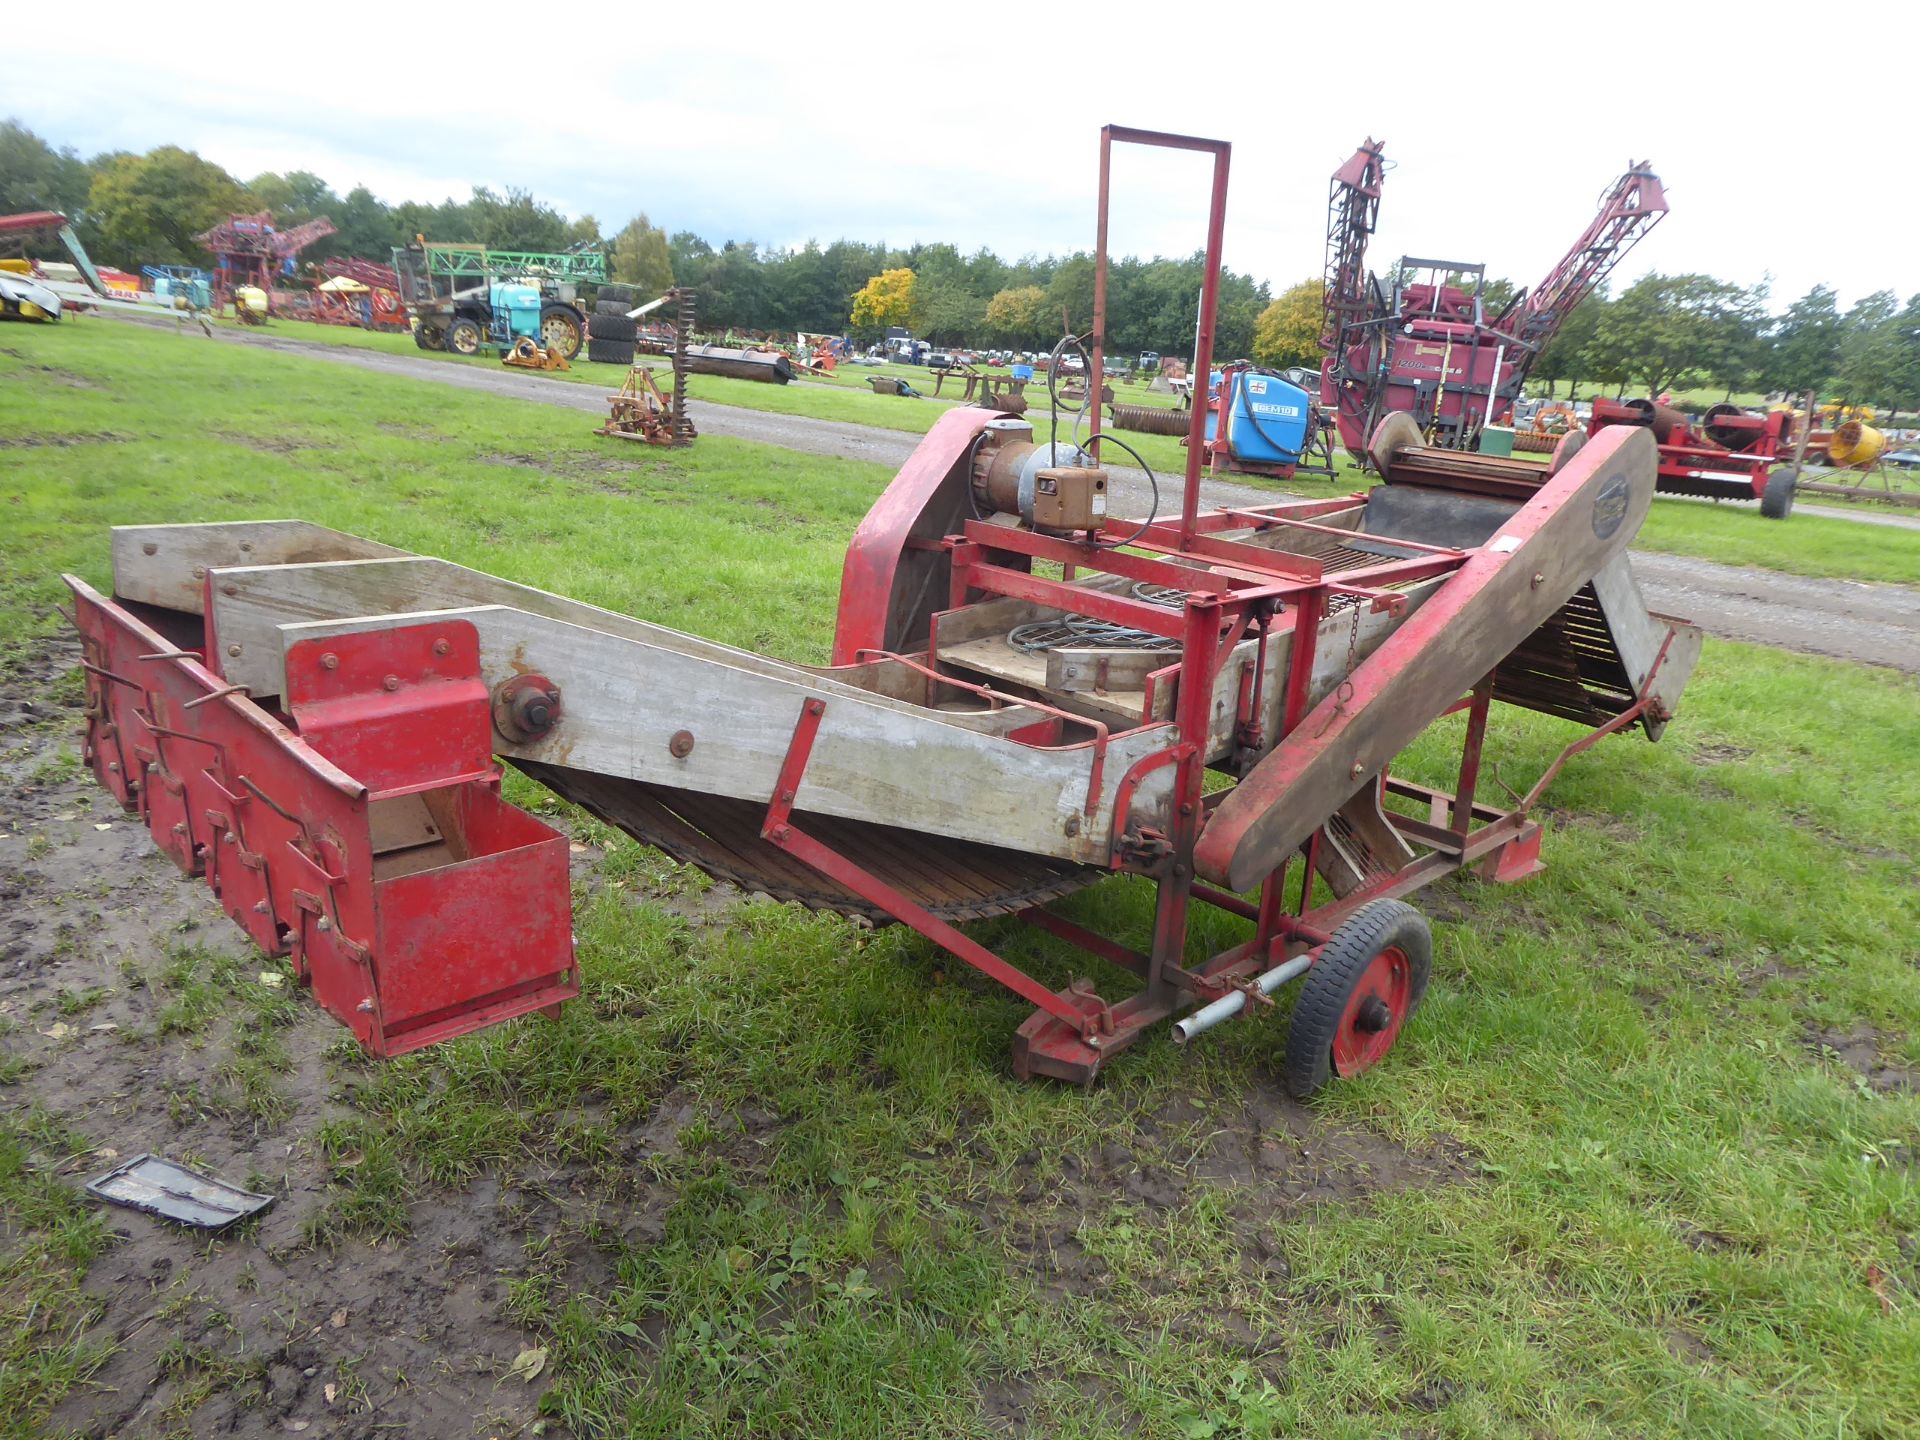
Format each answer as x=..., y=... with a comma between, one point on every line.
x=1853, y=620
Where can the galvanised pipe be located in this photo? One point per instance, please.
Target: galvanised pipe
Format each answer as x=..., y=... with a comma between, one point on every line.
x=1227, y=1006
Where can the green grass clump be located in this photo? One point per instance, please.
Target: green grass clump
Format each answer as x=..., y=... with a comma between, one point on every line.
x=49, y=1235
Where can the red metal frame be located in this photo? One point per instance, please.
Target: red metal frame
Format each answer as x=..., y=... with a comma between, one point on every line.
x=290, y=812
x=1432, y=349
x=1248, y=589
x=290, y=818
x=1692, y=464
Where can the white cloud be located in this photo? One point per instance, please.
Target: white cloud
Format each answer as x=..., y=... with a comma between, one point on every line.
x=782, y=123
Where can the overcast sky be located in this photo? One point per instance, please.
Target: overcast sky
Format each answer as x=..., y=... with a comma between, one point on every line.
x=930, y=121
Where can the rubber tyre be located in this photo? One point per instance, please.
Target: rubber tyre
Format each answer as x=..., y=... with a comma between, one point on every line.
x=465, y=337
x=562, y=328
x=1383, y=951
x=1776, y=501
x=611, y=327
x=621, y=294
x=430, y=337
x=610, y=352
x=610, y=307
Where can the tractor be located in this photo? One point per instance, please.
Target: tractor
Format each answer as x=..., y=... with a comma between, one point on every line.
x=466, y=298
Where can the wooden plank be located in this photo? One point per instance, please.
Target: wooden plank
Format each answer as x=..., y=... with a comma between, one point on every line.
x=166, y=565
x=992, y=657
x=251, y=603
x=1103, y=671
x=874, y=759
x=1638, y=635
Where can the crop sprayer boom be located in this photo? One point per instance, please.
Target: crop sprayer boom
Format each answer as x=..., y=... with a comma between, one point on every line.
x=1026, y=695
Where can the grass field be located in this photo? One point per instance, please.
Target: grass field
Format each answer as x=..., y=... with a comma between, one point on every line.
x=1643, y=1165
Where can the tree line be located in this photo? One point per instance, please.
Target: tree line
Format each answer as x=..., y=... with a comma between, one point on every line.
x=1657, y=334
x=133, y=210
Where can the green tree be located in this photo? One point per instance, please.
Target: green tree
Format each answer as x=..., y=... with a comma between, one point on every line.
x=1805, y=343
x=945, y=312
x=1666, y=329
x=733, y=292
x=363, y=226
x=35, y=176
x=517, y=221
x=1288, y=330
x=295, y=197
x=1569, y=354
x=1071, y=291
x=1870, y=360
x=1903, y=390
x=1739, y=353
x=640, y=257
x=149, y=207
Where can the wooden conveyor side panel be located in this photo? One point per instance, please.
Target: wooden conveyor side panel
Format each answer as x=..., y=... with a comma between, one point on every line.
x=1546, y=552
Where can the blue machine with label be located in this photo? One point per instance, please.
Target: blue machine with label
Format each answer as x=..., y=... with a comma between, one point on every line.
x=1268, y=420
x=516, y=312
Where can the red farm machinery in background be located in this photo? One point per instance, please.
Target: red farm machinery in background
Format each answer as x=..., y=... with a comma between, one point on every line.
x=1026, y=697
x=251, y=250
x=1424, y=343
x=1729, y=454
x=365, y=293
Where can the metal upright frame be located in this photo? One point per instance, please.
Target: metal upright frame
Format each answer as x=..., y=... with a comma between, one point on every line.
x=1246, y=591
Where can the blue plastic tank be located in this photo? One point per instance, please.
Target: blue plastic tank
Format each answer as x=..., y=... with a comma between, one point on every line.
x=1268, y=421
x=521, y=305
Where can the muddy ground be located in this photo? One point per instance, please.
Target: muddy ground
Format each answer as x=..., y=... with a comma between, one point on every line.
x=277, y=1327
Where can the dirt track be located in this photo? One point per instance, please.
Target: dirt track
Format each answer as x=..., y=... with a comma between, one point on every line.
x=1843, y=619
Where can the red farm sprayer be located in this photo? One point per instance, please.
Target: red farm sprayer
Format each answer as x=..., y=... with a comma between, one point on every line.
x=1026, y=696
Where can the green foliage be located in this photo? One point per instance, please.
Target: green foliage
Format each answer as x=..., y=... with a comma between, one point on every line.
x=1568, y=356
x=1288, y=330
x=35, y=176
x=1879, y=355
x=1806, y=343
x=1070, y=294
x=946, y=312
x=640, y=257
x=1667, y=329
x=148, y=208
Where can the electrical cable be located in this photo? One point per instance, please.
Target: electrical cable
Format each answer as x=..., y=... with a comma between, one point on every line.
x=1153, y=512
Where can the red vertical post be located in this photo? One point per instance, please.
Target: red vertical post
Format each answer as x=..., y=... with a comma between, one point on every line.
x=1193, y=714
x=1097, y=363
x=1470, y=758
x=1222, y=152
x=1203, y=348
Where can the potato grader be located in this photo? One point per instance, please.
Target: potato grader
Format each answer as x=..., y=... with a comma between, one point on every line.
x=1025, y=695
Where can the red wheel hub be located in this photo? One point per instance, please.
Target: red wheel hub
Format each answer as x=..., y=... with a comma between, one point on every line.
x=1375, y=1012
